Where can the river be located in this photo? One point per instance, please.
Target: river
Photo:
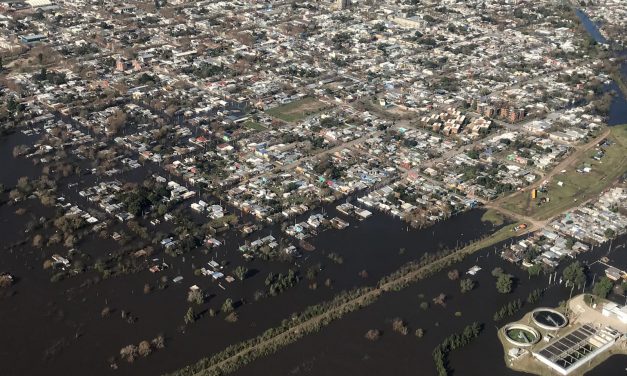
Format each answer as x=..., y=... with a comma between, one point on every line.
x=618, y=109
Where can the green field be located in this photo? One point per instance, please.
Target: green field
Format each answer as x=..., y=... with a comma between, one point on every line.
x=577, y=187
x=492, y=216
x=297, y=110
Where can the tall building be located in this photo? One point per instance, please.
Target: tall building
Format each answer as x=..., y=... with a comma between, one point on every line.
x=342, y=4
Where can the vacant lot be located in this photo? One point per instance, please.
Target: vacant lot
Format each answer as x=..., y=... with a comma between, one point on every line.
x=254, y=125
x=297, y=110
x=493, y=216
x=576, y=187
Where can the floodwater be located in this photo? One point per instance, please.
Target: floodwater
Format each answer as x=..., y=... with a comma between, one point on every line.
x=340, y=348
x=9, y=174
x=57, y=328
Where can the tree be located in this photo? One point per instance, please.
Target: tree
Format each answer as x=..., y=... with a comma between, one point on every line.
x=398, y=325
x=129, y=353
x=144, y=348
x=575, y=273
x=116, y=121
x=504, y=283
x=534, y=296
x=12, y=105
x=227, y=306
x=196, y=296
x=190, y=316
x=466, y=285
x=232, y=317
x=241, y=272
x=419, y=332
x=534, y=270
x=158, y=342
x=603, y=287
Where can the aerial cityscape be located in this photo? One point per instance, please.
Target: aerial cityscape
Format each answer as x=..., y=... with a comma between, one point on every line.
x=256, y=187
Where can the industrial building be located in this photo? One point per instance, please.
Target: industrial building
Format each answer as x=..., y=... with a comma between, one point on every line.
x=576, y=348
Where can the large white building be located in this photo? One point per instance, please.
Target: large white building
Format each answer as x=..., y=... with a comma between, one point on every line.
x=612, y=309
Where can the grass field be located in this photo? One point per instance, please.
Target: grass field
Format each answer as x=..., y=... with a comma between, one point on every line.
x=297, y=110
x=577, y=187
x=492, y=216
x=502, y=234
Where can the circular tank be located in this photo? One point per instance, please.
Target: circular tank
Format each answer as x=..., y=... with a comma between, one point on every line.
x=548, y=319
x=521, y=335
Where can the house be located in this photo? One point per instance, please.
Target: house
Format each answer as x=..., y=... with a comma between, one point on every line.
x=613, y=273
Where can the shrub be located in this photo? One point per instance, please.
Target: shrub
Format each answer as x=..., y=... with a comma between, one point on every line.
x=129, y=353
x=466, y=285
x=373, y=334
x=232, y=317
x=398, y=325
x=144, y=349
x=453, y=274
x=158, y=342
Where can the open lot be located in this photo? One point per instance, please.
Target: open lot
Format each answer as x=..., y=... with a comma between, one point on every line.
x=254, y=125
x=297, y=110
x=576, y=187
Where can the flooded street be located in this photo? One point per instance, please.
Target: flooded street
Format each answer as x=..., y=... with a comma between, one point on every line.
x=119, y=286
x=72, y=335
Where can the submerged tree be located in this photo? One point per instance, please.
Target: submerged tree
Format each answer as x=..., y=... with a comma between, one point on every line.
x=466, y=285
x=575, y=273
x=241, y=272
x=227, y=306
x=190, y=316
x=196, y=296
x=504, y=283
x=603, y=287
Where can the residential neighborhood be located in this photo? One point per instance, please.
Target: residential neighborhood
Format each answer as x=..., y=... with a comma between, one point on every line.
x=251, y=171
